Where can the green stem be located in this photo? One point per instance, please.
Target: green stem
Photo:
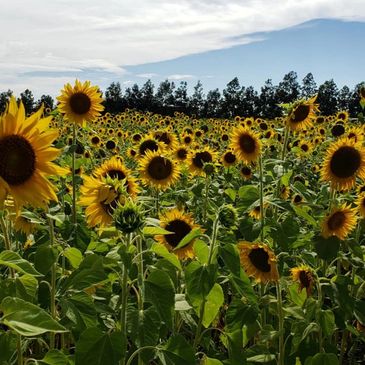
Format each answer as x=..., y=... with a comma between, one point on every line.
x=74, y=218
x=206, y=197
x=123, y=311
x=140, y=284
x=138, y=351
x=19, y=350
x=281, y=355
x=263, y=309
x=262, y=212
x=343, y=346
x=213, y=241
x=4, y=228
x=286, y=140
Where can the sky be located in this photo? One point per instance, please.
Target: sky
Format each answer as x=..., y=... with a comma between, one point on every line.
x=45, y=44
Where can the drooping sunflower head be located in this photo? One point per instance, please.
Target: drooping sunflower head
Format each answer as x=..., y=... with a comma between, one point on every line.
x=179, y=224
x=304, y=276
x=245, y=144
x=344, y=161
x=258, y=261
x=26, y=156
x=302, y=114
x=339, y=222
x=200, y=157
x=158, y=171
x=80, y=103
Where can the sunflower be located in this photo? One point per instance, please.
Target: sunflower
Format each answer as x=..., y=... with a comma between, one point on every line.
x=26, y=157
x=338, y=130
x=181, y=154
x=304, y=276
x=149, y=143
x=115, y=169
x=361, y=205
x=167, y=138
x=339, y=222
x=101, y=197
x=302, y=114
x=228, y=158
x=158, y=171
x=246, y=172
x=180, y=224
x=345, y=160
x=245, y=144
x=343, y=115
x=197, y=160
x=356, y=134
x=258, y=261
x=80, y=103
x=24, y=224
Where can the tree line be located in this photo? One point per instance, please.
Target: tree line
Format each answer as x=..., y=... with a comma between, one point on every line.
x=235, y=99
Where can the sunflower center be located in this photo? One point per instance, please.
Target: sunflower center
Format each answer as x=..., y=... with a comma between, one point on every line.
x=95, y=140
x=345, y=162
x=180, y=229
x=338, y=130
x=149, y=145
x=247, y=143
x=229, y=157
x=336, y=221
x=300, y=113
x=110, y=145
x=80, y=103
x=182, y=153
x=246, y=171
x=17, y=159
x=201, y=158
x=304, y=147
x=305, y=278
x=259, y=258
x=164, y=137
x=160, y=168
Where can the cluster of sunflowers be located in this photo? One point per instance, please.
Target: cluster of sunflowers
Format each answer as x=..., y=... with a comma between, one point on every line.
x=253, y=175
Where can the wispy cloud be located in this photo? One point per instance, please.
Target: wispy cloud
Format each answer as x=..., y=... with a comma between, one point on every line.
x=180, y=77
x=147, y=75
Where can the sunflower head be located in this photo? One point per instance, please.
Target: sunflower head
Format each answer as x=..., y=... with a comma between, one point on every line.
x=228, y=216
x=128, y=217
x=199, y=158
x=304, y=276
x=339, y=222
x=302, y=113
x=258, y=261
x=245, y=144
x=80, y=103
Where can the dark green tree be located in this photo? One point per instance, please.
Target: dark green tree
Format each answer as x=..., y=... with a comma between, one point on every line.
x=181, y=97
x=267, y=103
x=196, y=102
x=344, y=97
x=309, y=86
x=133, y=97
x=148, y=102
x=231, y=99
x=354, y=102
x=212, y=104
x=28, y=101
x=250, y=102
x=4, y=99
x=328, y=97
x=114, y=102
x=288, y=89
x=165, y=97
x=46, y=100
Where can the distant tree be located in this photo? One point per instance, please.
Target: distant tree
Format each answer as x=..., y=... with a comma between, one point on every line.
x=267, y=102
x=114, y=102
x=4, y=99
x=212, y=104
x=46, y=100
x=133, y=97
x=354, y=102
x=148, y=102
x=309, y=86
x=250, y=102
x=165, y=97
x=181, y=97
x=231, y=98
x=196, y=102
x=328, y=97
x=288, y=89
x=28, y=101
x=344, y=97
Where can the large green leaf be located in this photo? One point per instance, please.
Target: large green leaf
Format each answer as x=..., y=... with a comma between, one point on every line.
x=326, y=320
x=240, y=314
x=160, y=291
x=45, y=257
x=324, y=359
x=177, y=351
x=209, y=361
x=98, y=348
x=26, y=287
x=15, y=261
x=26, y=318
x=213, y=303
x=74, y=256
x=326, y=248
x=55, y=357
x=162, y=251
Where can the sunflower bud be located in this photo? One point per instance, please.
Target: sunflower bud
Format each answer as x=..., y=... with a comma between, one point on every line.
x=228, y=216
x=209, y=168
x=128, y=217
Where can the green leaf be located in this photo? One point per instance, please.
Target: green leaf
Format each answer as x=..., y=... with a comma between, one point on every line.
x=45, y=257
x=162, y=251
x=243, y=286
x=160, y=291
x=213, y=303
x=200, y=280
x=285, y=232
x=248, y=195
x=230, y=256
x=296, y=296
x=26, y=287
x=55, y=357
x=209, y=361
x=231, y=193
x=240, y=314
x=325, y=359
x=201, y=251
x=326, y=320
x=177, y=351
x=285, y=179
x=326, y=248
x=302, y=211
x=196, y=232
x=262, y=358
x=74, y=256
x=151, y=231
x=98, y=348
x=15, y=261
x=26, y=318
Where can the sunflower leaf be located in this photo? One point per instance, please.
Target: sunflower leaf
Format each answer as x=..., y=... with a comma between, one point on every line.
x=151, y=231
x=188, y=238
x=15, y=261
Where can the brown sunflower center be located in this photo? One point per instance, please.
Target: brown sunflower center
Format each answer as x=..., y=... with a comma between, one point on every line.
x=229, y=157
x=110, y=207
x=148, y=145
x=182, y=153
x=304, y=147
x=345, y=162
x=80, y=103
x=247, y=143
x=164, y=137
x=115, y=174
x=160, y=168
x=95, y=140
x=305, y=278
x=201, y=158
x=17, y=159
x=246, y=171
x=259, y=258
x=110, y=145
x=180, y=229
x=300, y=113
x=336, y=221
x=338, y=130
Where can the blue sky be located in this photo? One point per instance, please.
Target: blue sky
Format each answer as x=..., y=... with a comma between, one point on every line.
x=53, y=42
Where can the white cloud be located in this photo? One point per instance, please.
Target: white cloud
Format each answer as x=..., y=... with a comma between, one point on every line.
x=180, y=77
x=147, y=75
x=69, y=37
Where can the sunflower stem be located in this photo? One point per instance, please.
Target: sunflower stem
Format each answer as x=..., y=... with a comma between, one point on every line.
x=262, y=213
x=124, y=300
x=19, y=350
x=7, y=242
x=74, y=218
x=281, y=355
x=206, y=197
x=140, y=283
x=157, y=202
x=138, y=351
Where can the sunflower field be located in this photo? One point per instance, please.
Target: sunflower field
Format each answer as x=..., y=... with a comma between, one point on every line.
x=136, y=238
